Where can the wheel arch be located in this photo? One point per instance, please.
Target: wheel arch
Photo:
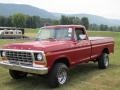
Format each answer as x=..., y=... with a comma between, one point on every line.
x=64, y=60
x=106, y=50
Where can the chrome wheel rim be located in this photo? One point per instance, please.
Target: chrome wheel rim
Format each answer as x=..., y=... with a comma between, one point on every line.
x=62, y=76
x=106, y=60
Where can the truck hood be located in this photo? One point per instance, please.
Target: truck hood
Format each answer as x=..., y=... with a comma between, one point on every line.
x=40, y=45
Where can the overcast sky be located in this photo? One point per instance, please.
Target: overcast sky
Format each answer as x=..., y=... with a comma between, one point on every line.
x=105, y=8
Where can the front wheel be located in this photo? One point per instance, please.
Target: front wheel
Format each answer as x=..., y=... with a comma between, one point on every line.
x=58, y=76
x=103, y=61
x=17, y=74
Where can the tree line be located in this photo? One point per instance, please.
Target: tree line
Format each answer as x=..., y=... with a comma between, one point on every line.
x=26, y=21
x=103, y=27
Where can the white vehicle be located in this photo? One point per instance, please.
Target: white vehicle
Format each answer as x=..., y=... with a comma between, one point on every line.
x=11, y=33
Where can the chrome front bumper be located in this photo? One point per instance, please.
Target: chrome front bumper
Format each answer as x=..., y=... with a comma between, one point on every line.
x=34, y=70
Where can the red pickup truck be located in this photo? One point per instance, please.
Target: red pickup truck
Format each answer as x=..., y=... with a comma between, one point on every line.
x=55, y=50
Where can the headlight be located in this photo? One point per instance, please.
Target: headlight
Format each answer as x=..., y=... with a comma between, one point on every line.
x=39, y=57
x=3, y=54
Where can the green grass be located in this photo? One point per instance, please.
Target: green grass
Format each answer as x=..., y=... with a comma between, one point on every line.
x=83, y=77
x=31, y=32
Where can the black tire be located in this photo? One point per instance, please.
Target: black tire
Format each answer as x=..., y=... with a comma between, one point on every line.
x=103, y=61
x=17, y=74
x=59, y=68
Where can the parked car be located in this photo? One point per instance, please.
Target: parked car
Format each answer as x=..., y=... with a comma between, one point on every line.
x=55, y=51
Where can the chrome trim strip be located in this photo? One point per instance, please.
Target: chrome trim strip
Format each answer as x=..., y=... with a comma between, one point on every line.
x=21, y=50
x=35, y=70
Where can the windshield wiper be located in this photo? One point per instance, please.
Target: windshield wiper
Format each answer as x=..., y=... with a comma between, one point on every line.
x=51, y=38
x=38, y=39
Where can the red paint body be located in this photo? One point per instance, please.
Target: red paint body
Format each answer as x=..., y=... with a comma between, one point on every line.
x=74, y=51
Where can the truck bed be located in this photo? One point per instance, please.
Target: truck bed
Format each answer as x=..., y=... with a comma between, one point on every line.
x=98, y=40
x=100, y=43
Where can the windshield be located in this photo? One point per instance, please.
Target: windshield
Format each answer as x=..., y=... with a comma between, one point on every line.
x=55, y=34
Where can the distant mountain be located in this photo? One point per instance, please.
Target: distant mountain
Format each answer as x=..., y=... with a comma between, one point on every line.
x=10, y=9
x=99, y=20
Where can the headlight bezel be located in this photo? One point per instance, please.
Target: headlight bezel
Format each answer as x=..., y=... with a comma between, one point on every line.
x=38, y=56
x=2, y=53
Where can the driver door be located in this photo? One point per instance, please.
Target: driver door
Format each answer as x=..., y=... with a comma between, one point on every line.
x=82, y=45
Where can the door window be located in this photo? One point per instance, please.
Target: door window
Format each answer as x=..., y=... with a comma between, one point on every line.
x=80, y=34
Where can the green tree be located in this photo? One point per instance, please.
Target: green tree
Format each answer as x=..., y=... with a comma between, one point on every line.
x=103, y=27
x=35, y=21
x=85, y=22
x=94, y=27
x=8, y=21
x=64, y=20
x=56, y=22
x=19, y=20
x=69, y=20
x=29, y=22
x=119, y=28
x=76, y=20
x=2, y=20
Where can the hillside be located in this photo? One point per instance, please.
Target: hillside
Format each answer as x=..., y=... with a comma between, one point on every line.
x=10, y=9
x=99, y=20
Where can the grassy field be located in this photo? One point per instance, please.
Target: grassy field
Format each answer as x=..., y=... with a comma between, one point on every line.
x=83, y=77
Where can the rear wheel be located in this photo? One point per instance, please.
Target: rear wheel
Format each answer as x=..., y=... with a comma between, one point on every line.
x=58, y=76
x=103, y=61
x=17, y=74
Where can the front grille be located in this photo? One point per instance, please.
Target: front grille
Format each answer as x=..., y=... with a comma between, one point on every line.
x=20, y=58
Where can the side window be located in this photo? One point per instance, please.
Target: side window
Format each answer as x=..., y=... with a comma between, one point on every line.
x=11, y=32
x=80, y=34
x=6, y=32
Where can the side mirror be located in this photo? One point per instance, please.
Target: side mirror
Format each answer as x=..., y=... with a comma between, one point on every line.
x=82, y=37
